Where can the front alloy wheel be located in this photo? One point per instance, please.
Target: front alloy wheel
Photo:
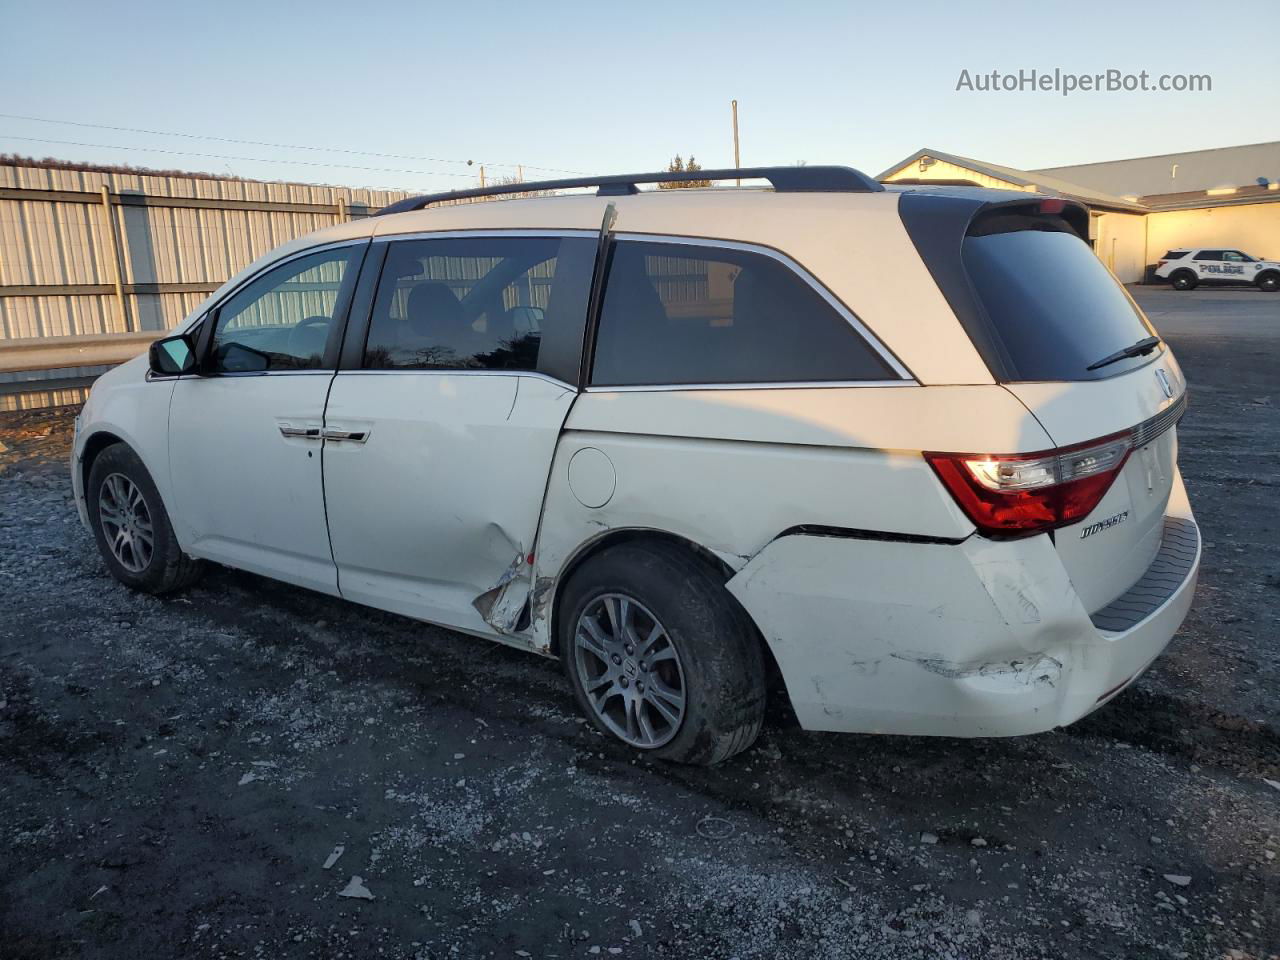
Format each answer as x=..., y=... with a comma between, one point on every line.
x=630, y=671
x=131, y=526
x=126, y=522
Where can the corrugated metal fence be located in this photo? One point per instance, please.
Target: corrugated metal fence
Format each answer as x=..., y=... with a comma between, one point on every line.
x=89, y=257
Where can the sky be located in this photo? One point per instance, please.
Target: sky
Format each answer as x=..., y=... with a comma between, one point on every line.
x=396, y=94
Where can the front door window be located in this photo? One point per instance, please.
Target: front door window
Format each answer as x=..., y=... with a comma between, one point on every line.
x=283, y=319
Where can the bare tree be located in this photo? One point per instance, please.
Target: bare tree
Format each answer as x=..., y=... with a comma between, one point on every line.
x=679, y=165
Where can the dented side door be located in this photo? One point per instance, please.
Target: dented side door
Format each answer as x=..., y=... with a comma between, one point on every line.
x=434, y=476
x=441, y=499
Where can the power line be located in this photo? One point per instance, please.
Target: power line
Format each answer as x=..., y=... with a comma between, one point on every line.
x=224, y=156
x=265, y=143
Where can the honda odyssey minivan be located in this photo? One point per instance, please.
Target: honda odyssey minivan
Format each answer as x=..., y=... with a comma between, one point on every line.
x=911, y=451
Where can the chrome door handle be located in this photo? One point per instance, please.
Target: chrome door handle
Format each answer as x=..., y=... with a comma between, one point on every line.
x=354, y=436
x=306, y=433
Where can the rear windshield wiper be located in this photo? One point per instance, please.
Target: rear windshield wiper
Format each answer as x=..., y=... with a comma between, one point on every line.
x=1143, y=346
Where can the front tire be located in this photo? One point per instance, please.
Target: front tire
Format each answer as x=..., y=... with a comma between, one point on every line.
x=1269, y=282
x=660, y=656
x=131, y=525
x=1183, y=280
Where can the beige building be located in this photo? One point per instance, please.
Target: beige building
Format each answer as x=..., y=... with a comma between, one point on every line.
x=1228, y=197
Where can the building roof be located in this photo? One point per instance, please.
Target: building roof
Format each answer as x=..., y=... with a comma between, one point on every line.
x=1039, y=181
x=1177, y=172
x=1198, y=200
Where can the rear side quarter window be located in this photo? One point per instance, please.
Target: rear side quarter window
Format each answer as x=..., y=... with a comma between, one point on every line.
x=682, y=313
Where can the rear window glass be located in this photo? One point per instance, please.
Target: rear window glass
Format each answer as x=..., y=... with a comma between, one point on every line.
x=1174, y=255
x=691, y=314
x=1051, y=306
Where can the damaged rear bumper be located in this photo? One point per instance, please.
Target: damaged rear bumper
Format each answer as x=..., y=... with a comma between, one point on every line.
x=980, y=638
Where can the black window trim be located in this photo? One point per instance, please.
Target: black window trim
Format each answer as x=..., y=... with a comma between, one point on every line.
x=351, y=362
x=341, y=317
x=860, y=329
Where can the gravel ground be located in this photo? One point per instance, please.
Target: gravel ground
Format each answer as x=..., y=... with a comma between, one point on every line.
x=175, y=773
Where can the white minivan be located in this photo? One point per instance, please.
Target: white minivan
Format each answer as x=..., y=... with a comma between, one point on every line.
x=905, y=453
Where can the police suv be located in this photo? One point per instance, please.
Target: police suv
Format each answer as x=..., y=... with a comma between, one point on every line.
x=1186, y=267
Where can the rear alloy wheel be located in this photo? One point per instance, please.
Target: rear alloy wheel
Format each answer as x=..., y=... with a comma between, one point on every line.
x=1269, y=282
x=629, y=670
x=660, y=655
x=131, y=526
x=1183, y=280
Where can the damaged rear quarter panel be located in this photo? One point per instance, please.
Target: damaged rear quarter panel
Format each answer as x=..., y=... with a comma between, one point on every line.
x=730, y=498
x=729, y=470
x=971, y=639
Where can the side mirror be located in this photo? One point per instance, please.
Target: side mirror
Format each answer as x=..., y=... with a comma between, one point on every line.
x=172, y=356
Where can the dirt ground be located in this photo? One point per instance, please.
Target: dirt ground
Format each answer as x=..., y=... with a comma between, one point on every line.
x=174, y=773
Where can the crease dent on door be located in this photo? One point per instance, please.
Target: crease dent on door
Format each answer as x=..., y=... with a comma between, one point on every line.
x=513, y=604
x=502, y=605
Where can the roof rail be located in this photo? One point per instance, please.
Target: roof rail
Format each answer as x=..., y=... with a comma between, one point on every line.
x=784, y=180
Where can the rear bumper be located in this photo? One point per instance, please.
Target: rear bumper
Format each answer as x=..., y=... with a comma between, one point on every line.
x=980, y=638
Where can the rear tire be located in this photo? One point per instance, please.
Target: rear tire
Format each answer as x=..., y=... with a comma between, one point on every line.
x=1183, y=280
x=681, y=632
x=131, y=525
x=1269, y=282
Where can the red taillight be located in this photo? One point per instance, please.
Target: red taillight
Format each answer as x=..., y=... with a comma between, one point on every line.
x=1053, y=205
x=1160, y=263
x=1014, y=495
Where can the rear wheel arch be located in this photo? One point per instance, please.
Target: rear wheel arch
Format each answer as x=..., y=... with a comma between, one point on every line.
x=1184, y=278
x=1268, y=280
x=714, y=676
x=613, y=538
x=779, y=695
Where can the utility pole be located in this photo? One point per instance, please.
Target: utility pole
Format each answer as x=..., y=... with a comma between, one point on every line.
x=117, y=274
x=737, y=162
x=482, y=174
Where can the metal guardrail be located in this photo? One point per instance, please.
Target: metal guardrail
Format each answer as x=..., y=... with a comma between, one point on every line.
x=342, y=209
x=84, y=239
x=60, y=353
x=101, y=289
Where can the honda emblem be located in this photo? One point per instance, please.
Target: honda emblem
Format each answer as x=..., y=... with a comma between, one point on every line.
x=1165, y=385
